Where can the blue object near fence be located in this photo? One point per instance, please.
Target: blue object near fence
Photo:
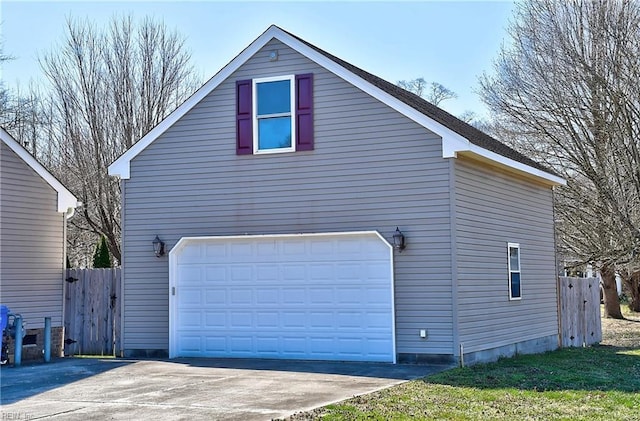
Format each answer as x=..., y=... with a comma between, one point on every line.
x=4, y=315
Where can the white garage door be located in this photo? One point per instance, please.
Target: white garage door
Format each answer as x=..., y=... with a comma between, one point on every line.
x=313, y=296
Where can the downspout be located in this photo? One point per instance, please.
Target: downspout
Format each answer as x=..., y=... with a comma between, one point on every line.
x=65, y=216
x=555, y=270
x=122, y=265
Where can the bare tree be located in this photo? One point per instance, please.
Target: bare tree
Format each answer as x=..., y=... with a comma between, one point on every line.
x=433, y=92
x=108, y=88
x=567, y=90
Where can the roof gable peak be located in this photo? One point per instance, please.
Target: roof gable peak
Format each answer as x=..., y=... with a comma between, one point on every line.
x=66, y=200
x=457, y=136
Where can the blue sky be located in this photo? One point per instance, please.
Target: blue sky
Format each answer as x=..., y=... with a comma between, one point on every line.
x=450, y=42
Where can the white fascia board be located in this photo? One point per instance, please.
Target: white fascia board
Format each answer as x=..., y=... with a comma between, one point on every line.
x=121, y=166
x=515, y=165
x=66, y=200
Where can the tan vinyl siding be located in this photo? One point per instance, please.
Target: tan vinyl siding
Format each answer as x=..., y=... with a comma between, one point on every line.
x=31, y=243
x=372, y=169
x=493, y=209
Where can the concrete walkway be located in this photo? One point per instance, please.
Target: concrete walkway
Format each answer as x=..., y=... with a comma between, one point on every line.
x=187, y=389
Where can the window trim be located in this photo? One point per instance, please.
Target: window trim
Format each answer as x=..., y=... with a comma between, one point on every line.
x=510, y=271
x=291, y=114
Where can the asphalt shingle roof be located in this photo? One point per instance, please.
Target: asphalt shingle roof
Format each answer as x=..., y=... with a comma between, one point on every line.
x=475, y=136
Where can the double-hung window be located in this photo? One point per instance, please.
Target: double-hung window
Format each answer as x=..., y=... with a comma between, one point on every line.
x=515, y=289
x=274, y=114
x=273, y=104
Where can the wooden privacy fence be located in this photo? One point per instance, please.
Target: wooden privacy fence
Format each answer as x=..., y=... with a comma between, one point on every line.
x=92, y=312
x=580, y=311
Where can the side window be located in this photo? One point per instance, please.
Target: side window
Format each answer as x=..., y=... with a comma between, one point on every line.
x=274, y=114
x=274, y=127
x=515, y=291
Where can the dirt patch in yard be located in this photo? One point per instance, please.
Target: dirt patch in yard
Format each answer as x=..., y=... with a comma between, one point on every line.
x=622, y=333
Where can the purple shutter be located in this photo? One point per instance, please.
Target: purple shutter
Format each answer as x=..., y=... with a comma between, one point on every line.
x=244, y=123
x=304, y=112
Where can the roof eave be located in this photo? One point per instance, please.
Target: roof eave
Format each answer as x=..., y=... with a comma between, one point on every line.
x=509, y=165
x=66, y=199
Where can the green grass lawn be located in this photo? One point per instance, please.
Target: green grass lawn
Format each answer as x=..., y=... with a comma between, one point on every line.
x=597, y=383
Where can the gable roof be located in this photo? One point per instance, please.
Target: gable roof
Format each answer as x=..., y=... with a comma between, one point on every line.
x=457, y=136
x=66, y=200
x=475, y=136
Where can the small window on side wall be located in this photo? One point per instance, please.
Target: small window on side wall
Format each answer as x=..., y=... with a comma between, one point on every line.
x=515, y=288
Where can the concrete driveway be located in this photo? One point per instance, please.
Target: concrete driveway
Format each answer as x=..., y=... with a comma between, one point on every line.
x=187, y=389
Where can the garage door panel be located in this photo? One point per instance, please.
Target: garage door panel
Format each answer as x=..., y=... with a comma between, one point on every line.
x=376, y=296
x=268, y=320
x=240, y=249
x=293, y=296
x=241, y=320
x=240, y=296
x=215, y=320
x=240, y=344
x=215, y=274
x=304, y=298
x=350, y=320
x=214, y=296
x=190, y=275
x=321, y=247
x=347, y=295
x=349, y=272
x=267, y=345
x=321, y=296
x=321, y=320
x=191, y=297
x=215, y=251
x=267, y=273
x=376, y=271
x=293, y=320
x=377, y=347
x=377, y=320
x=267, y=296
x=324, y=272
x=190, y=343
x=191, y=319
x=191, y=253
x=292, y=272
x=240, y=273
x=214, y=345
x=350, y=346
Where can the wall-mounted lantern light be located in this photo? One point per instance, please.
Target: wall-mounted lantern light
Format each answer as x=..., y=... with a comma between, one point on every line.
x=158, y=246
x=398, y=240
